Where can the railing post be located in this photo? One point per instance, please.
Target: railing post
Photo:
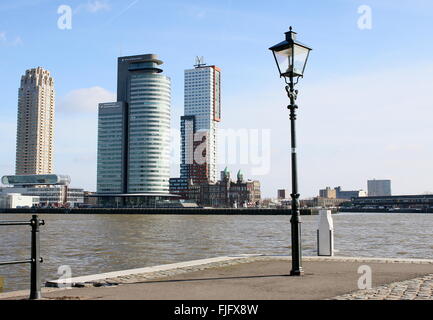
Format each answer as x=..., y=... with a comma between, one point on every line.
x=35, y=270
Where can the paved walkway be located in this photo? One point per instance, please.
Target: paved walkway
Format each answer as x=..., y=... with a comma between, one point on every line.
x=415, y=289
x=262, y=278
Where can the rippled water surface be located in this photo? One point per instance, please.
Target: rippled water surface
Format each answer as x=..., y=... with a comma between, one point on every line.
x=101, y=243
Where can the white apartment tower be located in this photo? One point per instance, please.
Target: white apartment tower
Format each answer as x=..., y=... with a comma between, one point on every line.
x=35, y=124
x=203, y=105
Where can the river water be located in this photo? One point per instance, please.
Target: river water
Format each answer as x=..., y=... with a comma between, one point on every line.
x=100, y=243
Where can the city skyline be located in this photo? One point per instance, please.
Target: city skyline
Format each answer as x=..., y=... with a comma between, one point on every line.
x=372, y=137
x=217, y=150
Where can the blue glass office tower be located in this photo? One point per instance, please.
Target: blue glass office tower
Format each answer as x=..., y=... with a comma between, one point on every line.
x=111, y=147
x=134, y=133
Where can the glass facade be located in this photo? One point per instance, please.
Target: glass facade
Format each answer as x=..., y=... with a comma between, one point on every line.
x=111, y=135
x=55, y=195
x=37, y=179
x=187, y=131
x=149, y=133
x=134, y=133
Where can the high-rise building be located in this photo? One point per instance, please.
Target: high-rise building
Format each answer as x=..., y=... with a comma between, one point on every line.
x=199, y=128
x=202, y=103
x=379, y=188
x=282, y=194
x=111, y=147
x=328, y=193
x=134, y=132
x=35, y=125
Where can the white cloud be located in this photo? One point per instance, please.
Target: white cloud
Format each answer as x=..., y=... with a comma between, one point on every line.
x=18, y=41
x=349, y=129
x=96, y=6
x=76, y=147
x=85, y=100
x=76, y=134
x=93, y=6
x=4, y=40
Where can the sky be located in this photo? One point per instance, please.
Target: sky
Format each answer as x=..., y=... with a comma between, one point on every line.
x=365, y=102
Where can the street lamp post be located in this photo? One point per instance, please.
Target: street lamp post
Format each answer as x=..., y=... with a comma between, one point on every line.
x=291, y=58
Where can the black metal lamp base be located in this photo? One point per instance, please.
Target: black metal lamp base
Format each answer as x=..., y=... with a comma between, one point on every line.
x=35, y=296
x=297, y=273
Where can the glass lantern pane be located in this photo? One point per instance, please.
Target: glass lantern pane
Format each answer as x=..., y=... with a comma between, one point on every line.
x=301, y=55
x=284, y=59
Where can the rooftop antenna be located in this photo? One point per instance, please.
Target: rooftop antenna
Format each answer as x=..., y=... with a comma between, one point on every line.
x=199, y=62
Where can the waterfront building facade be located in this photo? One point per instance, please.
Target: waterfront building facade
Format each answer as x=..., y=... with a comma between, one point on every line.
x=134, y=132
x=148, y=127
x=338, y=193
x=90, y=200
x=423, y=202
x=35, y=123
x=226, y=193
x=282, y=194
x=328, y=193
x=17, y=200
x=379, y=188
x=199, y=129
x=320, y=202
x=202, y=113
x=50, y=189
x=111, y=153
x=348, y=195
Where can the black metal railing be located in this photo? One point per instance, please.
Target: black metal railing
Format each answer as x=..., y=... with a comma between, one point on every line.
x=35, y=257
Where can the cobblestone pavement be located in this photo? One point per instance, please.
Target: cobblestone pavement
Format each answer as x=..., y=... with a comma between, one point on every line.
x=414, y=289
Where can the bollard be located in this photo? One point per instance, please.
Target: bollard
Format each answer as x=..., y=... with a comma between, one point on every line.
x=35, y=264
x=325, y=234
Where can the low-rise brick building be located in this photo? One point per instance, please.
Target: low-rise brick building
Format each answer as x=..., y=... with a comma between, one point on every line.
x=225, y=193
